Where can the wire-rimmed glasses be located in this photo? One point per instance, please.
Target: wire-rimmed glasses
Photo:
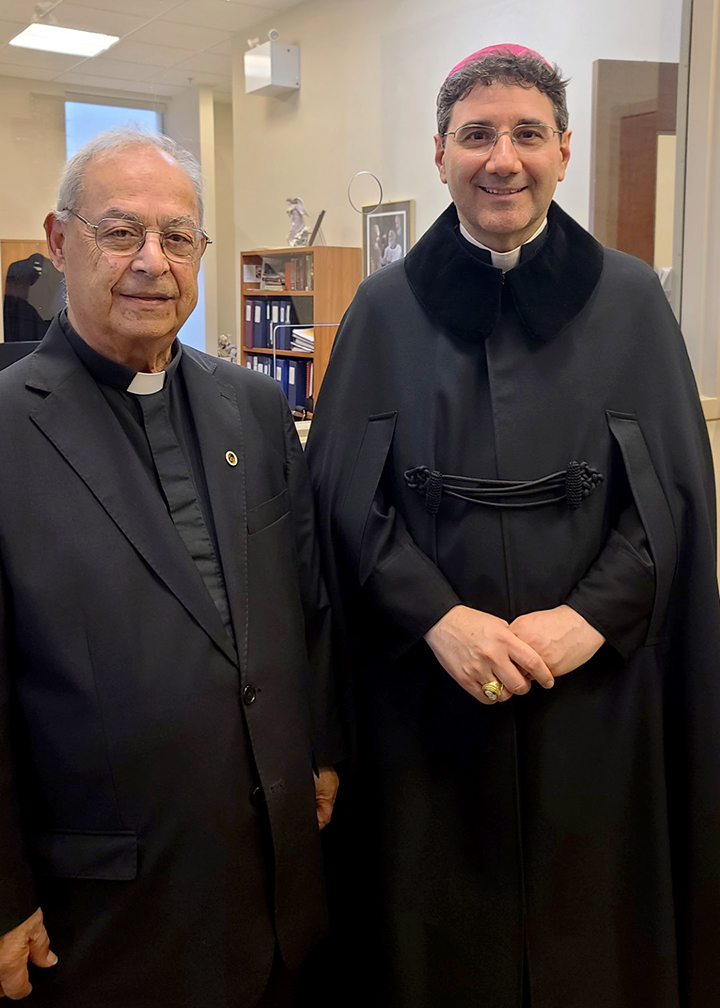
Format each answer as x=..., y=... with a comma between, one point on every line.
x=121, y=237
x=526, y=136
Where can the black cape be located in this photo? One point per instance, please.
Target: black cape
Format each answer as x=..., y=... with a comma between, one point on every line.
x=566, y=842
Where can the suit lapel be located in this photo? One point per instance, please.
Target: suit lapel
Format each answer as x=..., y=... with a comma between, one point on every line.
x=218, y=424
x=78, y=421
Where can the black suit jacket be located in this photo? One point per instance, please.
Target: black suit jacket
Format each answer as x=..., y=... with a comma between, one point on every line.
x=131, y=739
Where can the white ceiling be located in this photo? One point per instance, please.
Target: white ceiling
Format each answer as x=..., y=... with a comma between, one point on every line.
x=165, y=45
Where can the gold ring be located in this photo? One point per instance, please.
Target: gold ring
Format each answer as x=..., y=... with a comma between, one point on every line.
x=493, y=690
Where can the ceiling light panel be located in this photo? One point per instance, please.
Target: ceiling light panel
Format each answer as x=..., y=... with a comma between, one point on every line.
x=50, y=38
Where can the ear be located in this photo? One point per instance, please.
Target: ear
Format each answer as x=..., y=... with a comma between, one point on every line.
x=440, y=157
x=55, y=231
x=564, y=154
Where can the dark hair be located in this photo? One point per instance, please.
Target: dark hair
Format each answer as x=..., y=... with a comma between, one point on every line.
x=504, y=68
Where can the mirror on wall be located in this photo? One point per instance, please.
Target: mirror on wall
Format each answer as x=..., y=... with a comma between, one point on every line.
x=632, y=180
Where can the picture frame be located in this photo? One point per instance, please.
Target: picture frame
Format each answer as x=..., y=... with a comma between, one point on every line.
x=388, y=233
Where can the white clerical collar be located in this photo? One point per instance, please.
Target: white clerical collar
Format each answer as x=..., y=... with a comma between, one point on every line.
x=502, y=260
x=146, y=384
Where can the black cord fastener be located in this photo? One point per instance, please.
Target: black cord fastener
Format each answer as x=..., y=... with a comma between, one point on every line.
x=572, y=484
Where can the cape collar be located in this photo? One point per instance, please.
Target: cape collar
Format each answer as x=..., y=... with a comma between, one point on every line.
x=462, y=292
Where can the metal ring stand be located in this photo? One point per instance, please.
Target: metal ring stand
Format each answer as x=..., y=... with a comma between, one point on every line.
x=363, y=210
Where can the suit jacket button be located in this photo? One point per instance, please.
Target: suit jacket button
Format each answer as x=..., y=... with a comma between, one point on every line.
x=249, y=695
x=257, y=797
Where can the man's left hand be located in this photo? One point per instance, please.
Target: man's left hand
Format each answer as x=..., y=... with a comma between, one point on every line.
x=561, y=636
x=326, y=786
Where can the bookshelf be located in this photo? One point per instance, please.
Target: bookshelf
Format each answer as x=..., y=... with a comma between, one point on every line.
x=317, y=283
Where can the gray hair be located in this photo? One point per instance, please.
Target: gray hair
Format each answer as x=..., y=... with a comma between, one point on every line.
x=504, y=68
x=71, y=180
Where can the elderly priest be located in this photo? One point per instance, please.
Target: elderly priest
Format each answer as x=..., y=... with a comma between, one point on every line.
x=165, y=727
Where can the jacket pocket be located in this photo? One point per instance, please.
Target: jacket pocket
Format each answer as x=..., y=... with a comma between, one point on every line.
x=80, y=855
x=365, y=478
x=654, y=512
x=268, y=512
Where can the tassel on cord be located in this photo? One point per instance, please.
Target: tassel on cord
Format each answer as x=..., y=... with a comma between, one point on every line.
x=572, y=485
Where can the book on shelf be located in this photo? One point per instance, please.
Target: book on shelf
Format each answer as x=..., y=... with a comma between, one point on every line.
x=292, y=390
x=248, y=323
x=294, y=376
x=272, y=275
x=262, y=316
x=302, y=339
x=283, y=274
x=283, y=315
x=299, y=273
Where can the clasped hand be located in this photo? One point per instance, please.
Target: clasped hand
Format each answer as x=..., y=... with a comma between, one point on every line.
x=475, y=648
x=28, y=941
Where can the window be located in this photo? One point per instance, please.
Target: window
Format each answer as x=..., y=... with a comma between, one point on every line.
x=83, y=120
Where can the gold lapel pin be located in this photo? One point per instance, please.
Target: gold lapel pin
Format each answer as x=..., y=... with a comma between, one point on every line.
x=231, y=458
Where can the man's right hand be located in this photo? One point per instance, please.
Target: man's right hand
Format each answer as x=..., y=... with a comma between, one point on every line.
x=28, y=941
x=475, y=648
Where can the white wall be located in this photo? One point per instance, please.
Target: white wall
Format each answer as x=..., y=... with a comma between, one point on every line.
x=32, y=141
x=224, y=235
x=189, y=120
x=370, y=72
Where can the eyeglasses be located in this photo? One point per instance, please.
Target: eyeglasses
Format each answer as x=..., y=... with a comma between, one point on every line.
x=118, y=237
x=526, y=136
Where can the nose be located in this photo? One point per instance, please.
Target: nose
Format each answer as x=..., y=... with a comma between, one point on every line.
x=503, y=159
x=150, y=259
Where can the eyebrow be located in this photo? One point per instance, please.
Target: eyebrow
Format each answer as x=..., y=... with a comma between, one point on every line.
x=118, y=214
x=186, y=221
x=529, y=121
x=167, y=222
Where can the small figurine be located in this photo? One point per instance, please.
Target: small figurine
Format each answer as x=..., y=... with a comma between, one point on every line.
x=227, y=349
x=299, y=233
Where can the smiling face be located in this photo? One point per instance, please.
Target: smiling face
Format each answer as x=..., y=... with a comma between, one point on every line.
x=122, y=305
x=502, y=196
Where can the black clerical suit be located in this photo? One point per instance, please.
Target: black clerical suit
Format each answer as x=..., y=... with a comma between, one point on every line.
x=513, y=443
x=156, y=785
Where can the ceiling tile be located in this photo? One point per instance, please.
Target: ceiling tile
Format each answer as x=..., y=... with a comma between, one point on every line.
x=223, y=48
x=19, y=10
x=145, y=9
x=9, y=29
x=140, y=52
x=36, y=73
x=88, y=19
x=208, y=63
x=31, y=58
x=99, y=66
x=265, y=8
x=169, y=33
x=183, y=78
x=151, y=91
x=163, y=90
x=231, y=17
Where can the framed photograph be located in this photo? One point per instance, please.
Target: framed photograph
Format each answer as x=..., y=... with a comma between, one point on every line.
x=388, y=232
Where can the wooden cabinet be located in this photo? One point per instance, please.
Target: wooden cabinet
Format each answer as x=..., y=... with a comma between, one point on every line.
x=319, y=283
